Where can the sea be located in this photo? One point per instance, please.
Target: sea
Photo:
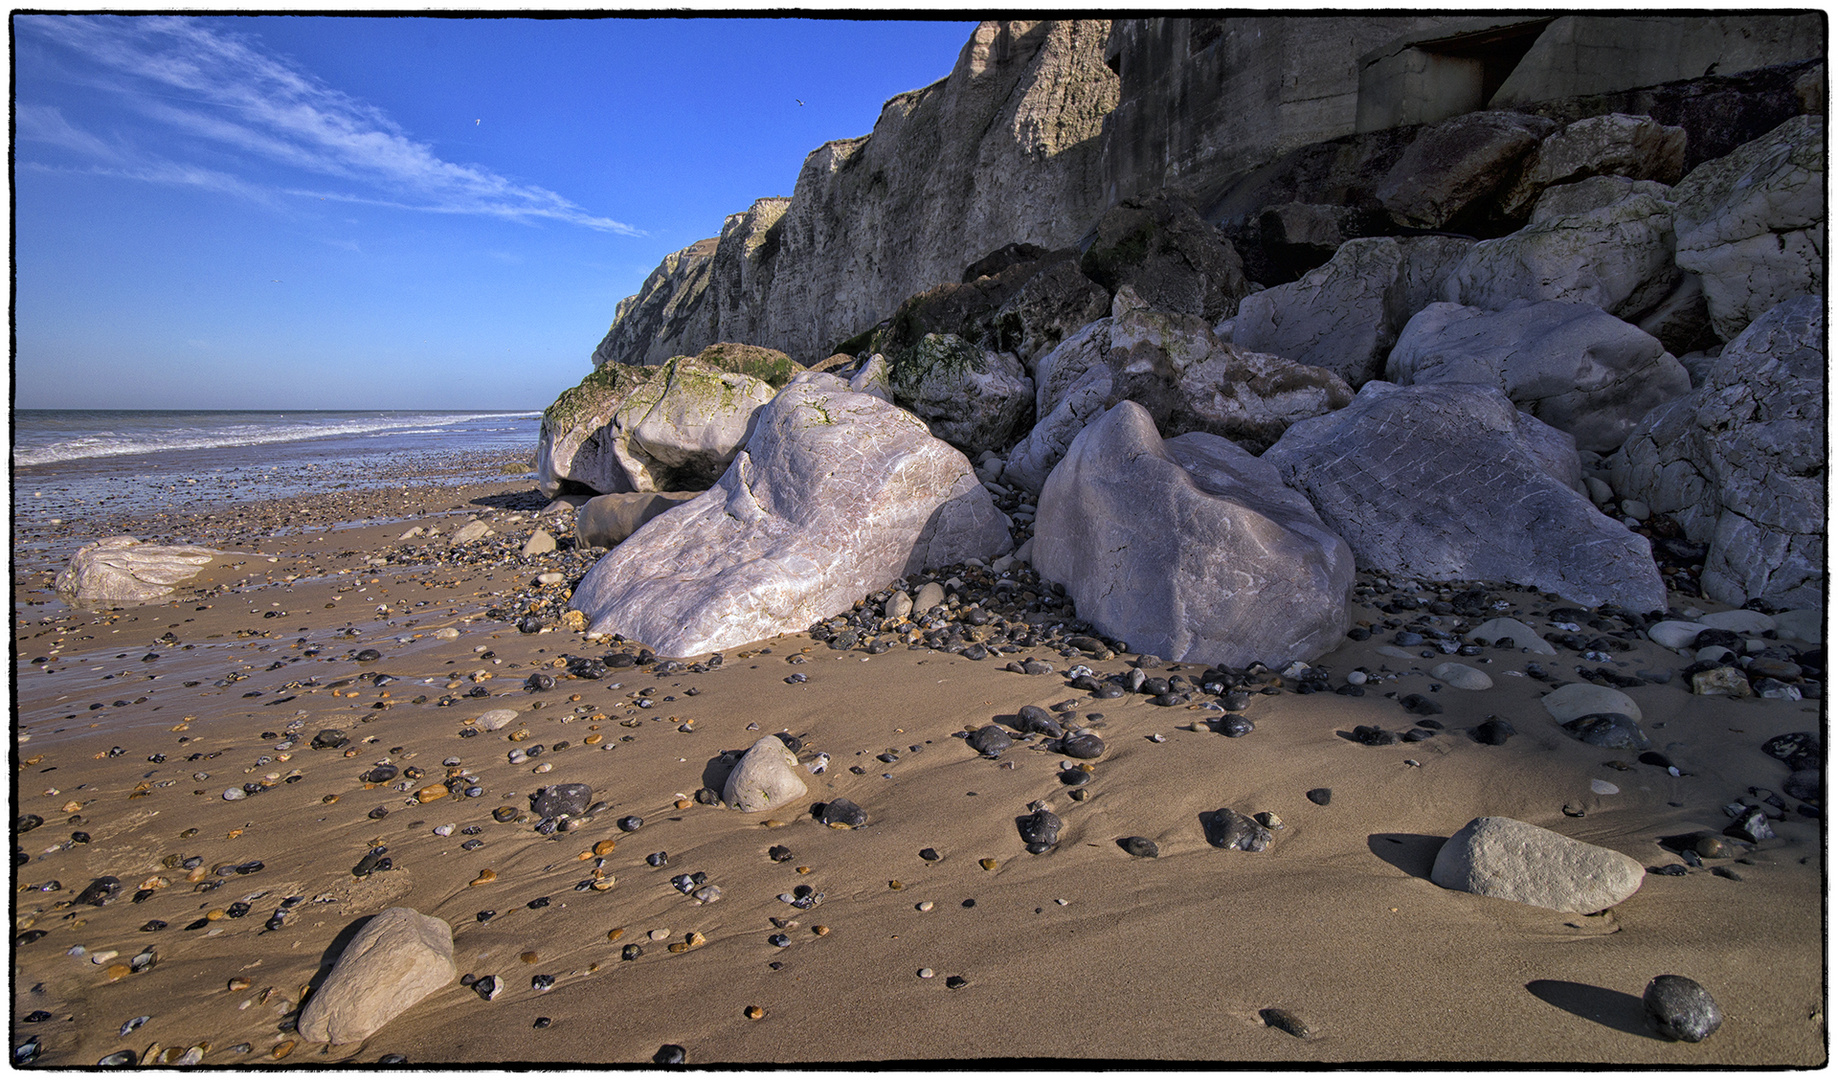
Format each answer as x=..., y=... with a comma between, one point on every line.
x=71, y=462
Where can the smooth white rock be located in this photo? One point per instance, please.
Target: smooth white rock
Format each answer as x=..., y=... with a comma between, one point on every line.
x=1566, y=703
x=1740, y=620
x=1801, y=624
x=765, y=778
x=1513, y=860
x=398, y=958
x=1523, y=636
x=1674, y=634
x=1461, y=676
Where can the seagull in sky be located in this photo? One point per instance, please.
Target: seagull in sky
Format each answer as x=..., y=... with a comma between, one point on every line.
x=798, y=101
x=476, y=123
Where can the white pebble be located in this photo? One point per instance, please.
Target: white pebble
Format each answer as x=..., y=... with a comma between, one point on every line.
x=1603, y=787
x=925, y=905
x=660, y=934
x=443, y=830
x=1356, y=678
x=104, y=956
x=926, y=973
x=544, y=767
x=232, y=794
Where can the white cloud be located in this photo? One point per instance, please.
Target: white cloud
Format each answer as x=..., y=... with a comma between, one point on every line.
x=218, y=88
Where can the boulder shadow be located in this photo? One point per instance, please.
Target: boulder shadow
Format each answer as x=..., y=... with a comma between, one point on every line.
x=329, y=958
x=528, y=499
x=1610, y=1008
x=715, y=771
x=1412, y=853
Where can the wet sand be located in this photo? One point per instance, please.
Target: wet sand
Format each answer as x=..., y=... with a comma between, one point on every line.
x=1086, y=954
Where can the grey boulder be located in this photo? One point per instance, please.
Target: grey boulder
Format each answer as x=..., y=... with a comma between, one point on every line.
x=1615, y=144
x=1456, y=166
x=1739, y=463
x=1345, y=315
x=1752, y=225
x=1574, y=366
x=1190, y=549
x=765, y=778
x=1513, y=860
x=1175, y=260
x=122, y=570
x=606, y=520
x=1453, y=483
x=398, y=958
x=835, y=495
x=1605, y=241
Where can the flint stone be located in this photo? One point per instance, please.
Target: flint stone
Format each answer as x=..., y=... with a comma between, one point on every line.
x=398, y=958
x=471, y=532
x=122, y=570
x=1574, y=366
x=843, y=814
x=1679, y=1008
x=539, y=543
x=1752, y=225
x=558, y=799
x=1615, y=144
x=606, y=520
x=1566, y=703
x=973, y=398
x=1345, y=316
x=1605, y=241
x=1039, y=830
x=1721, y=682
x=1739, y=462
x=990, y=740
x=1522, y=636
x=1192, y=549
x=836, y=495
x=1453, y=483
x=668, y=428
x=1610, y=731
x=929, y=596
x=1513, y=860
x=1231, y=830
x=1456, y=166
x=765, y=778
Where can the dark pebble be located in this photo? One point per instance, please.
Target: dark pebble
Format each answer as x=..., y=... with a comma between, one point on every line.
x=364, y=656
x=1285, y=1021
x=1231, y=829
x=670, y=1054
x=779, y=853
x=1236, y=727
x=1320, y=796
x=393, y=1059
x=1751, y=825
x=843, y=814
x=630, y=823
x=631, y=952
x=1672, y=870
x=1610, y=731
x=1140, y=846
x=378, y=814
x=37, y=1016
x=929, y=854
x=1366, y=735
x=1494, y=733
x=1085, y=747
x=1678, y=1008
x=956, y=982
x=989, y=741
x=99, y=892
x=1040, y=831
x=557, y=800
x=659, y=858
x=542, y=1022
x=1418, y=705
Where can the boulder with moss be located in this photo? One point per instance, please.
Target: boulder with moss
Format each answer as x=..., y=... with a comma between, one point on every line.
x=668, y=428
x=1173, y=259
x=973, y=398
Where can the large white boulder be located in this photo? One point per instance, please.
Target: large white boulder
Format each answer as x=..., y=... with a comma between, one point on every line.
x=1190, y=549
x=1751, y=225
x=1452, y=482
x=1345, y=315
x=1739, y=463
x=1574, y=366
x=398, y=958
x=122, y=570
x=835, y=495
x=1514, y=860
x=1605, y=241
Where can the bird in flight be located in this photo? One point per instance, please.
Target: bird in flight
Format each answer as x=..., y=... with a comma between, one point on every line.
x=799, y=101
x=476, y=123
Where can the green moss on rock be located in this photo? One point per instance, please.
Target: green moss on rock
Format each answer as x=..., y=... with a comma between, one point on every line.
x=600, y=388
x=942, y=354
x=770, y=366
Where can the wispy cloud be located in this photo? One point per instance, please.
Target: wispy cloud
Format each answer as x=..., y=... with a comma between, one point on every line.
x=211, y=87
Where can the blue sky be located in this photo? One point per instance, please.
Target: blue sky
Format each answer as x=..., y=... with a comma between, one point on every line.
x=304, y=212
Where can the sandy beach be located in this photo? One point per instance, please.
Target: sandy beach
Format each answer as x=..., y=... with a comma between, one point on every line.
x=938, y=940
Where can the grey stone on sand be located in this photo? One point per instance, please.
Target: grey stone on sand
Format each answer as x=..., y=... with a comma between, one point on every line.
x=1192, y=549
x=1454, y=483
x=835, y=495
x=495, y=720
x=539, y=543
x=1566, y=703
x=1514, y=860
x=1461, y=676
x=122, y=570
x=765, y=778
x=398, y=958
x=1501, y=631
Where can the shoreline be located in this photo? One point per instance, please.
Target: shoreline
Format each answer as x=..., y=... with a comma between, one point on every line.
x=1087, y=954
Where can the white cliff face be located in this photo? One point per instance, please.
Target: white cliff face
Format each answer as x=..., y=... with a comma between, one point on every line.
x=1003, y=150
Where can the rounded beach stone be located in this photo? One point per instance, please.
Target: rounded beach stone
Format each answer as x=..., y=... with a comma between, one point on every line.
x=1513, y=860
x=765, y=778
x=1511, y=633
x=1679, y=1008
x=1140, y=846
x=398, y=958
x=1566, y=703
x=1461, y=676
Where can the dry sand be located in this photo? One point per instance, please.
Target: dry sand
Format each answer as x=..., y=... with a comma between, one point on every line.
x=1086, y=954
